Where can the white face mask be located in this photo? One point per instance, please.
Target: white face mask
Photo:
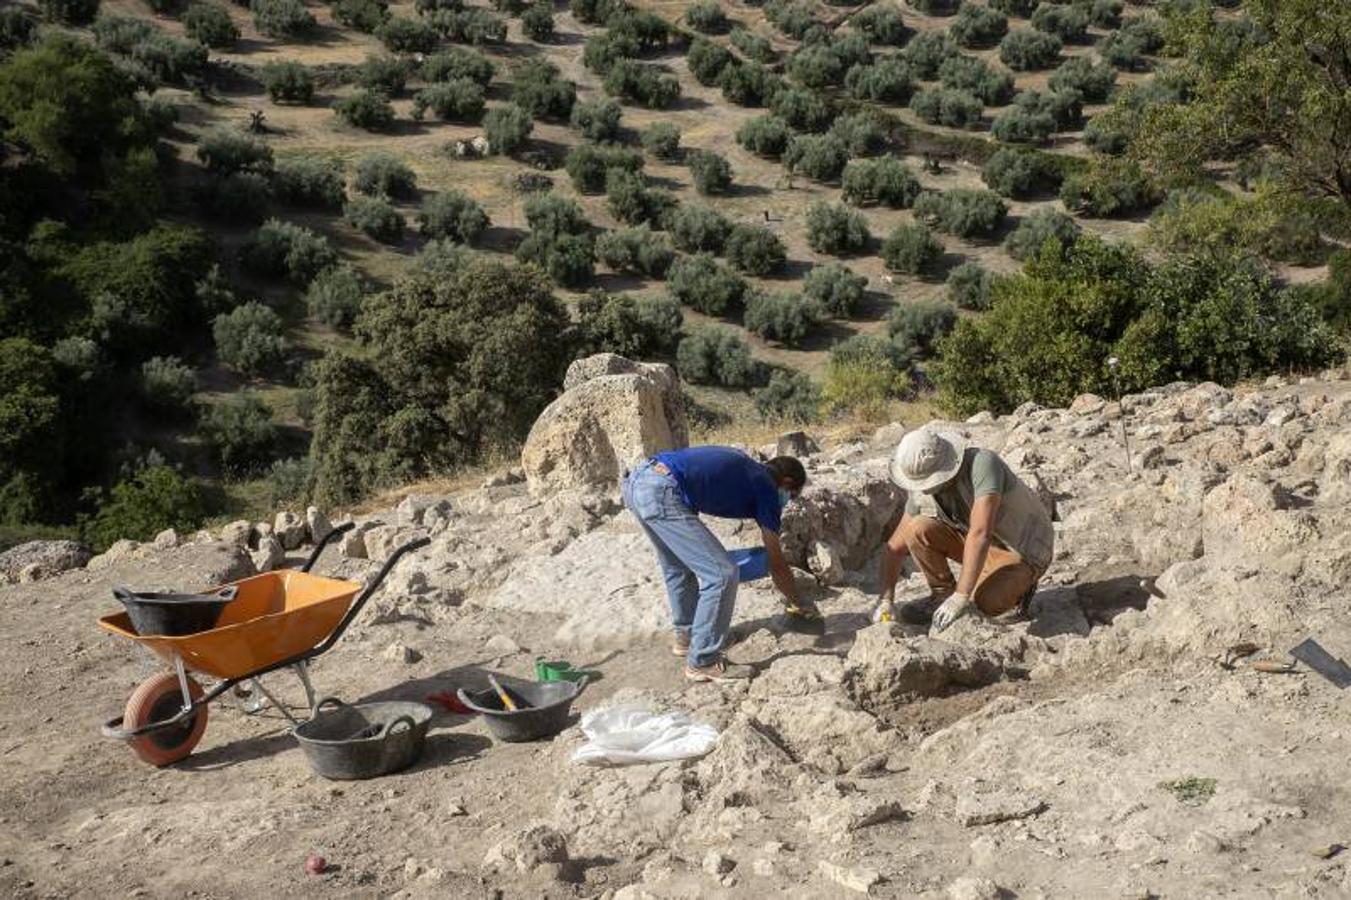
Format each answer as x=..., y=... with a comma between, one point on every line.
x=784, y=497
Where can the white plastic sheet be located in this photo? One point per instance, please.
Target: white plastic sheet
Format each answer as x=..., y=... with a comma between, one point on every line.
x=630, y=735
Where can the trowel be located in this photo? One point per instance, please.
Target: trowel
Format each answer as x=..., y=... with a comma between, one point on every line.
x=1312, y=654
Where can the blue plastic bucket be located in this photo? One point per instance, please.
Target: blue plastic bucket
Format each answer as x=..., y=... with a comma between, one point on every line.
x=752, y=563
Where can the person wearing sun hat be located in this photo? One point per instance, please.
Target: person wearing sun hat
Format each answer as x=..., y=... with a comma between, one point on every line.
x=988, y=520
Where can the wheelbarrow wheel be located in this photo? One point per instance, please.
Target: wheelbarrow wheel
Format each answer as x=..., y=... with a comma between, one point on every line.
x=158, y=699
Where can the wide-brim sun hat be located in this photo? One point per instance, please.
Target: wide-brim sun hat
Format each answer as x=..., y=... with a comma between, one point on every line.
x=927, y=458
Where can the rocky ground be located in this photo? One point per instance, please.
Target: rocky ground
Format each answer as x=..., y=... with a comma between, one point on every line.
x=1107, y=744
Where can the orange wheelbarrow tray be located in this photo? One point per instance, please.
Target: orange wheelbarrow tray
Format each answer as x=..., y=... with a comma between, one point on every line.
x=280, y=619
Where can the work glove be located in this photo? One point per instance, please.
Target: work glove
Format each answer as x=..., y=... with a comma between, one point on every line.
x=884, y=611
x=952, y=609
x=804, y=610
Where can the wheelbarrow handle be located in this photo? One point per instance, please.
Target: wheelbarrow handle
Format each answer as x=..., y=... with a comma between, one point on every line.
x=355, y=609
x=327, y=539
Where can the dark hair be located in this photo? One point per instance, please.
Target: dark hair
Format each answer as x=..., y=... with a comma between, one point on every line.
x=786, y=467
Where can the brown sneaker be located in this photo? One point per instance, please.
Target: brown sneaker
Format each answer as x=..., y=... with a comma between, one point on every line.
x=721, y=671
x=681, y=645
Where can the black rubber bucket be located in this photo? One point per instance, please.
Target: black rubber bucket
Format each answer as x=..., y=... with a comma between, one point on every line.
x=364, y=740
x=174, y=615
x=546, y=715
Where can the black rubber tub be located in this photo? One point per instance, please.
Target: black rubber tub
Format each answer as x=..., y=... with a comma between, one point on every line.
x=364, y=740
x=547, y=713
x=174, y=615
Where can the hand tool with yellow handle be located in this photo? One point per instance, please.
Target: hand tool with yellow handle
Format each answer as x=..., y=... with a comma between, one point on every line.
x=509, y=703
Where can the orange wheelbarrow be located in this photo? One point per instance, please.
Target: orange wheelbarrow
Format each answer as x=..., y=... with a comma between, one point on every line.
x=277, y=620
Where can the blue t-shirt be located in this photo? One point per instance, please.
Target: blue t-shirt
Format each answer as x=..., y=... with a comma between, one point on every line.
x=726, y=483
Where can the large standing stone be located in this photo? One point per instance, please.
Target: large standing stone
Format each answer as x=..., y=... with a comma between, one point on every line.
x=269, y=555
x=317, y=523
x=613, y=412
x=289, y=529
x=41, y=558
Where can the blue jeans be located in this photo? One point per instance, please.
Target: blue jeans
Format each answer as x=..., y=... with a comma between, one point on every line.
x=701, y=579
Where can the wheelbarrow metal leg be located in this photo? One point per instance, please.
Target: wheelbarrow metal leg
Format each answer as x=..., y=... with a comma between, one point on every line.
x=183, y=684
x=281, y=707
x=303, y=673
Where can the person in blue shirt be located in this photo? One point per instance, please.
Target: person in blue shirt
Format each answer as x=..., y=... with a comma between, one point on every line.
x=666, y=494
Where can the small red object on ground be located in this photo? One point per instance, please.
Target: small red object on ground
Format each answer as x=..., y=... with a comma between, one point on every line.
x=450, y=703
x=315, y=864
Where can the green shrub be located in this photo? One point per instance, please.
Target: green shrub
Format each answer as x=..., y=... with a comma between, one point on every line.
x=749, y=84
x=911, y=249
x=802, y=110
x=864, y=375
x=537, y=23
x=765, y=136
x=927, y=51
x=224, y=150
x=632, y=202
x=788, y=319
x=920, y=324
x=706, y=16
x=788, y=397
x=167, y=385
x=507, y=129
x=368, y=110
x=1022, y=8
x=662, y=140
x=453, y=215
x=817, y=66
x=1042, y=225
x=1105, y=13
x=280, y=249
x=978, y=26
x=969, y=286
x=400, y=35
x=334, y=296
x=441, y=258
x=1020, y=174
x=384, y=74
x=241, y=433
x=711, y=172
x=880, y=24
x=709, y=354
x=838, y=290
x=363, y=15
x=382, y=174
x=753, y=46
x=820, y=157
x=597, y=120
x=290, y=482
x=1066, y=108
x=551, y=215
x=836, y=229
x=455, y=63
x=470, y=26
x=282, y=18
x=288, y=82
x=887, y=80
x=755, y=250
x=460, y=100
x=602, y=51
x=249, y=338
x=144, y=504
x=1111, y=187
x=540, y=89
x=634, y=327
x=70, y=12
x=17, y=28
x=1069, y=23
x=862, y=133
x=1129, y=47
x=635, y=250
x=1094, y=82
x=597, y=12
x=937, y=7
x=1025, y=50
x=309, y=181
x=964, y=212
x=1020, y=125
x=941, y=106
x=978, y=78
x=588, y=165
x=240, y=197
x=793, y=18
x=696, y=228
x=885, y=180
x=1267, y=224
x=701, y=282
x=209, y=23
x=1101, y=135
x=375, y=218
x=645, y=85
x=559, y=240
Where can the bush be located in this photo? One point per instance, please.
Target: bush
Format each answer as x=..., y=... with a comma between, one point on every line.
x=937, y=7
x=597, y=120
x=1022, y=8
x=749, y=84
x=927, y=52
x=1101, y=135
x=978, y=26
x=976, y=77
x=701, y=282
x=70, y=12
x=1128, y=48
x=753, y=46
x=911, y=249
x=241, y=433
x=645, y=85
x=460, y=100
x=507, y=129
x=941, y=106
x=142, y=505
x=817, y=66
x=697, y=228
x=635, y=250
x=633, y=327
x=288, y=82
x=1020, y=174
x=382, y=174
x=789, y=397
x=167, y=385
x=706, y=16
x=802, y=110
x=363, y=15
x=457, y=63
x=969, y=286
x=453, y=215
x=540, y=90
x=559, y=241
x=17, y=28
x=282, y=18
x=713, y=355
x=632, y=202
x=964, y=212
x=765, y=136
x=383, y=73
x=1025, y=50
x=279, y=249
x=788, y=319
x=888, y=80
x=1267, y=224
x=588, y=165
x=880, y=24
x=597, y=12
x=755, y=250
x=662, y=140
x=309, y=181
x=375, y=218
x=836, y=229
x=334, y=296
x=820, y=157
x=470, y=26
x=1111, y=187
x=838, y=290
x=1040, y=226
x=1093, y=82
x=793, y=19
x=602, y=51
x=400, y=35
x=920, y=324
x=711, y=172
x=1021, y=125
x=886, y=180
x=249, y=338
x=864, y=375
x=209, y=23
x=238, y=197
x=368, y=110
x=1066, y=108
x=862, y=133
x=538, y=23
x=1105, y=13
x=1069, y=23
x=224, y=150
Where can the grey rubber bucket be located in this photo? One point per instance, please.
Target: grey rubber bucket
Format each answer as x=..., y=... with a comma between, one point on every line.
x=364, y=740
x=550, y=702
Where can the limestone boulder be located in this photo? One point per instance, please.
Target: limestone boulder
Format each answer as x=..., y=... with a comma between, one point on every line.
x=289, y=529
x=852, y=512
x=885, y=667
x=1247, y=522
x=269, y=555
x=42, y=559
x=317, y=523
x=613, y=412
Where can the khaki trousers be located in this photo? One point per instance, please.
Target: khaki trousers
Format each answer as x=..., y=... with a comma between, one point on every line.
x=1004, y=581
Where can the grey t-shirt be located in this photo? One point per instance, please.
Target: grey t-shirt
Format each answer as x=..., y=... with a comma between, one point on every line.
x=1022, y=523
